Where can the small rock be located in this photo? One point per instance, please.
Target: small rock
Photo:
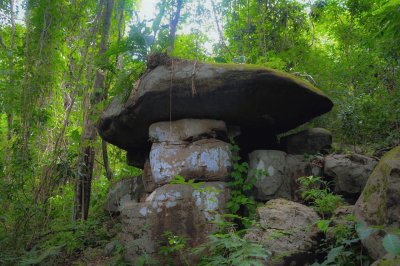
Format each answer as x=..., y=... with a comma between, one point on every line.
x=350, y=172
x=122, y=192
x=286, y=229
x=109, y=249
x=310, y=141
x=268, y=167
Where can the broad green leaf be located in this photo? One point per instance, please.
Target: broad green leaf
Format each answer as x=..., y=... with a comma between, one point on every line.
x=391, y=243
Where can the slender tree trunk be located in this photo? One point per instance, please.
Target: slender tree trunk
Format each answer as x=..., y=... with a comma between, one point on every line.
x=25, y=92
x=173, y=25
x=109, y=173
x=219, y=29
x=157, y=21
x=10, y=114
x=121, y=27
x=89, y=133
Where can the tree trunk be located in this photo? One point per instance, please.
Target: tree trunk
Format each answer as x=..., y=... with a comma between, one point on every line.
x=10, y=115
x=89, y=133
x=109, y=173
x=173, y=24
x=220, y=31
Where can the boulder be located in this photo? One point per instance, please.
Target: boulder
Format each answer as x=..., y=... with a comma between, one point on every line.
x=387, y=260
x=378, y=205
x=276, y=173
x=310, y=141
x=268, y=167
x=186, y=130
x=350, y=172
x=243, y=95
x=286, y=229
x=123, y=192
x=202, y=160
x=148, y=181
x=179, y=209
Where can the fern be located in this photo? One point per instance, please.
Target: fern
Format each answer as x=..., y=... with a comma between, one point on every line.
x=37, y=257
x=230, y=249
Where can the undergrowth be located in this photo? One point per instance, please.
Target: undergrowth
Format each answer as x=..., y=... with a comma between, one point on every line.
x=340, y=244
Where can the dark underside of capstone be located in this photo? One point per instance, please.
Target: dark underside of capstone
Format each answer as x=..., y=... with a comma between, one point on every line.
x=255, y=98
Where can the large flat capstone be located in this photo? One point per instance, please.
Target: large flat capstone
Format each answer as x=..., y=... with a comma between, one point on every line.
x=247, y=96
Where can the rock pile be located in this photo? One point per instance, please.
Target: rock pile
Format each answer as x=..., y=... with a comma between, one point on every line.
x=186, y=148
x=176, y=124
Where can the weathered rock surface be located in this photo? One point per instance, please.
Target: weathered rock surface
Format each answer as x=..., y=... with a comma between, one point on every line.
x=123, y=192
x=350, y=172
x=179, y=209
x=242, y=95
x=378, y=204
x=204, y=160
x=310, y=141
x=387, y=260
x=277, y=173
x=186, y=130
x=286, y=229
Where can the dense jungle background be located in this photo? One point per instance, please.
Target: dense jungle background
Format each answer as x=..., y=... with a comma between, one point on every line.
x=62, y=62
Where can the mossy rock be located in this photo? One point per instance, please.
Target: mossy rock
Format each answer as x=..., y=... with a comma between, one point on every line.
x=287, y=229
x=378, y=205
x=388, y=260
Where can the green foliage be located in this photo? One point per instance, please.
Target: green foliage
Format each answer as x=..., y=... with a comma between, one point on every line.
x=180, y=180
x=175, y=247
x=146, y=260
x=34, y=257
x=341, y=245
x=315, y=191
x=231, y=249
x=240, y=184
x=391, y=243
x=323, y=225
x=64, y=240
x=190, y=46
x=174, y=243
x=349, y=48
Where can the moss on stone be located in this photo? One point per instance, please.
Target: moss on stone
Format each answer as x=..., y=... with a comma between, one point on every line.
x=279, y=73
x=389, y=262
x=368, y=191
x=380, y=173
